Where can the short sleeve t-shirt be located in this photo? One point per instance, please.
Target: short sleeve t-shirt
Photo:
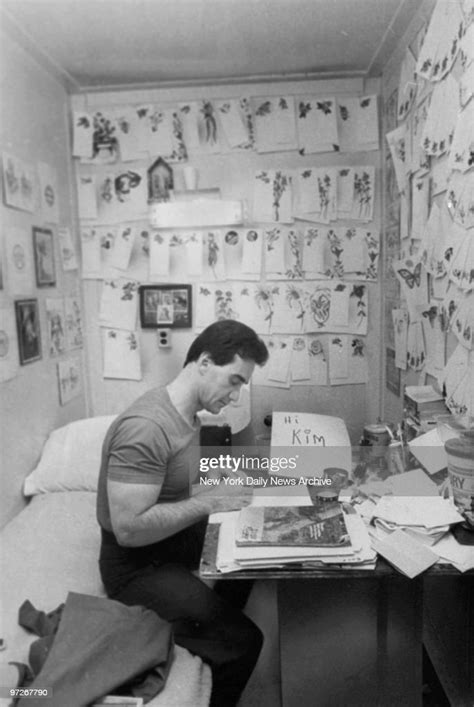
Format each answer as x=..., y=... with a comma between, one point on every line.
x=149, y=443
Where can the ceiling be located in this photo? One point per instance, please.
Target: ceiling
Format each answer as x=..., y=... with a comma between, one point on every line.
x=96, y=44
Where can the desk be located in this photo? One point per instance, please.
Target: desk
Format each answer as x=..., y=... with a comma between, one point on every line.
x=350, y=637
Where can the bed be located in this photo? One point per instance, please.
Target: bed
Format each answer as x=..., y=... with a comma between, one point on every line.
x=51, y=548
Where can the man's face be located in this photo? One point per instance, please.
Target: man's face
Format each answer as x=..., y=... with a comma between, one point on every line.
x=221, y=385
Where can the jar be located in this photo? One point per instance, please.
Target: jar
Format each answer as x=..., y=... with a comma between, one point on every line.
x=460, y=453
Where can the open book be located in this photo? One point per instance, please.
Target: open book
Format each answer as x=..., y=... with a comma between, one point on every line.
x=292, y=526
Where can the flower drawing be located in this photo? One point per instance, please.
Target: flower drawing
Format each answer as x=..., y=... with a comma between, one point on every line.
x=271, y=237
x=324, y=190
x=132, y=341
x=128, y=290
x=264, y=301
x=212, y=251
x=358, y=291
x=224, y=301
x=296, y=270
x=320, y=306
x=358, y=347
x=363, y=193
x=304, y=109
x=294, y=300
x=280, y=184
x=316, y=348
x=264, y=109
x=337, y=249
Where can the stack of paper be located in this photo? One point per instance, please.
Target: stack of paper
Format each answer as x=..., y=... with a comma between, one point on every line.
x=253, y=537
x=405, y=553
x=411, y=523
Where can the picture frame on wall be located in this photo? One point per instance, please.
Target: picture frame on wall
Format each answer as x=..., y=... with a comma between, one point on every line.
x=28, y=328
x=43, y=247
x=167, y=306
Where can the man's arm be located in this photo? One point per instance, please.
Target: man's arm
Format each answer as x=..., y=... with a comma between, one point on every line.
x=138, y=520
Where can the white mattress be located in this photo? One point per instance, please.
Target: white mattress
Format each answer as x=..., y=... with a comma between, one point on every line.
x=51, y=548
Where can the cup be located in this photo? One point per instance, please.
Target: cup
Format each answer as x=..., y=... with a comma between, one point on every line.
x=190, y=177
x=339, y=478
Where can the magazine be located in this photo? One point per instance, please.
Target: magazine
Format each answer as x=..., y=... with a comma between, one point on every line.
x=292, y=526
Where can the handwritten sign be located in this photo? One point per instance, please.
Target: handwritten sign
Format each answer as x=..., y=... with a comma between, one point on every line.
x=317, y=442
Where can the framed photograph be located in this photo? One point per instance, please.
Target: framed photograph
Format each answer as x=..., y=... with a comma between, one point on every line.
x=43, y=246
x=28, y=327
x=167, y=306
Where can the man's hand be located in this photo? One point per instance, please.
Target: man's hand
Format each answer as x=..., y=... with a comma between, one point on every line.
x=223, y=496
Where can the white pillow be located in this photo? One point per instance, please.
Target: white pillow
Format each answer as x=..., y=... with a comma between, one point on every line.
x=70, y=460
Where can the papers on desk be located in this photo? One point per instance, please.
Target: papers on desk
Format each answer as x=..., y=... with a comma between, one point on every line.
x=232, y=558
x=405, y=553
x=410, y=483
x=426, y=511
x=461, y=556
x=429, y=451
x=411, y=523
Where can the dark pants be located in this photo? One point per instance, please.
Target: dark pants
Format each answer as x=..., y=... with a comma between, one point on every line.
x=208, y=622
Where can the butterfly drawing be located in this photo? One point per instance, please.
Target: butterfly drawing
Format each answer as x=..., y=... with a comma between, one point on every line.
x=411, y=278
x=325, y=106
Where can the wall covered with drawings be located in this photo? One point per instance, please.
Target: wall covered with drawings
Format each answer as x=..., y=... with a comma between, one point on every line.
x=266, y=200
x=428, y=268
x=41, y=366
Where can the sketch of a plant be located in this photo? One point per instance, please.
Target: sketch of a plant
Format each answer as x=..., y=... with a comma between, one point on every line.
x=132, y=342
x=271, y=237
x=264, y=301
x=373, y=253
x=103, y=136
x=212, y=251
x=210, y=124
x=304, y=109
x=180, y=152
x=311, y=235
x=264, y=109
x=358, y=347
x=280, y=184
x=296, y=270
x=358, y=291
x=246, y=109
x=294, y=300
x=316, y=348
x=324, y=190
x=128, y=290
x=363, y=193
x=224, y=301
x=320, y=306
x=337, y=249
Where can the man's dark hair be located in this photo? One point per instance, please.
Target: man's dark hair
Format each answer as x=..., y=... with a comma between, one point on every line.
x=225, y=339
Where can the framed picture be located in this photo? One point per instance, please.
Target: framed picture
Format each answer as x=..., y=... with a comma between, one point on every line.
x=167, y=306
x=43, y=246
x=28, y=327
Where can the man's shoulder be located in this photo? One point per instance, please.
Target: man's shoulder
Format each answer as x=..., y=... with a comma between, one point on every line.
x=149, y=405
